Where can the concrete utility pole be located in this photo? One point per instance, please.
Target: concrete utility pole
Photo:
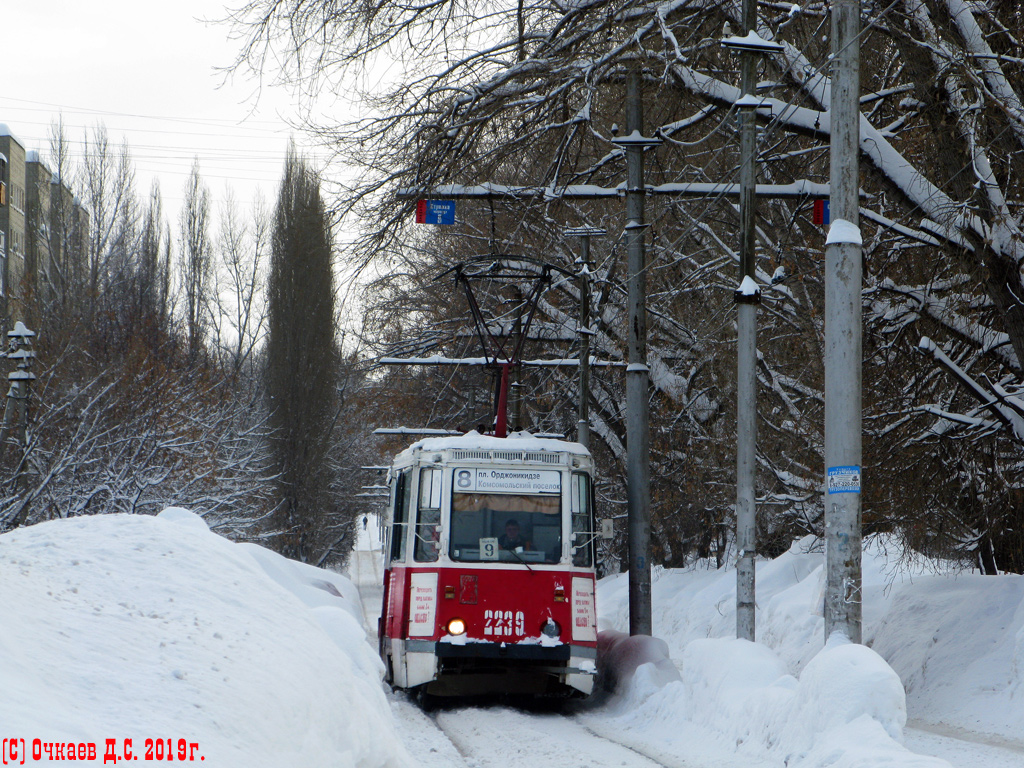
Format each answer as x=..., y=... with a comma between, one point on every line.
x=638, y=476
x=843, y=336
x=748, y=296
x=515, y=390
x=16, y=413
x=747, y=299
x=583, y=422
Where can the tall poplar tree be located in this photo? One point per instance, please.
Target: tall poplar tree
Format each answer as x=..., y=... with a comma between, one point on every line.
x=196, y=259
x=302, y=358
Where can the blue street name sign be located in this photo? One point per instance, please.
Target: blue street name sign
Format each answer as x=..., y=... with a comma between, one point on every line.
x=435, y=212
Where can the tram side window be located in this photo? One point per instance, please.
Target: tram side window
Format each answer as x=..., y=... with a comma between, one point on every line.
x=428, y=517
x=400, y=517
x=582, y=521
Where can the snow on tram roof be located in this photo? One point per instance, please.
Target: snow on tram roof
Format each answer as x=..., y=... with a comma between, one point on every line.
x=516, y=441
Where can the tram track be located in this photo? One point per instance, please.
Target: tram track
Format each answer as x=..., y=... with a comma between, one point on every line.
x=498, y=736
x=646, y=751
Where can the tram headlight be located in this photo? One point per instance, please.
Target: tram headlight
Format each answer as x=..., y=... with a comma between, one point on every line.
x=551, y=628
x=456, y=627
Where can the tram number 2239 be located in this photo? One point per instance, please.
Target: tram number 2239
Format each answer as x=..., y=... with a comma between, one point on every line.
x=504, y=623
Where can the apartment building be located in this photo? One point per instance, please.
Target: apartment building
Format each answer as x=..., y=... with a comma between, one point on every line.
x=13, y=201
x=43, y=233
x=37, y=223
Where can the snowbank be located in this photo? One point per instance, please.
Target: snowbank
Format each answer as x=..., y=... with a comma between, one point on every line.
x=846, y=709
x=134, y=627
x=948, y=647
x=957, y=643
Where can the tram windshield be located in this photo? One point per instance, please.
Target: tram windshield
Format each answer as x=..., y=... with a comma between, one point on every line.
x=490, y=527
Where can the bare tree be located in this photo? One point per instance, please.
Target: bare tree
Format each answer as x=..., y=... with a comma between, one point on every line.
x=151, y=300
x=134, y=440
x=242, y=254
x=66, y=237
x=529, y=97
x=108, y=181
x=196, y=260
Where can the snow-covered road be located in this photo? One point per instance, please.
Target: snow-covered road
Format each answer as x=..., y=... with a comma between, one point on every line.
x=498, y=736
x=502, y=737
x=961, y=749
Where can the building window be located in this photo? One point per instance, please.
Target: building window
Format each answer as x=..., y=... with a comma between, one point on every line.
x=18, y=197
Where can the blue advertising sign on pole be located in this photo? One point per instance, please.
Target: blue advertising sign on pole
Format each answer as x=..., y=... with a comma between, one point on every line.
x=844, y=479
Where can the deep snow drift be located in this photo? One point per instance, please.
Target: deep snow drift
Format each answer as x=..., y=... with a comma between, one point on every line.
x=954, y=640
x=137, y=627
x=134, y=627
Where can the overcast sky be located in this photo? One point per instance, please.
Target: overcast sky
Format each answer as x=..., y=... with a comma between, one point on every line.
x=146, y=69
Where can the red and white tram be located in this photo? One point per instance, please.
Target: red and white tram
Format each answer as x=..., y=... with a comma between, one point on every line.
x=471, y=604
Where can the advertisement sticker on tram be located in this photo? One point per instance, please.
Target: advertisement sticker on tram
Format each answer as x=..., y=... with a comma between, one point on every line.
x=423, y=595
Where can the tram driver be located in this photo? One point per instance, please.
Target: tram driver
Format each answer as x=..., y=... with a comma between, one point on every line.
x=512, y=539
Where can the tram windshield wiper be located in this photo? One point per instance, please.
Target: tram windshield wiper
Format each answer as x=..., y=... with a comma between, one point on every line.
x=517, y=557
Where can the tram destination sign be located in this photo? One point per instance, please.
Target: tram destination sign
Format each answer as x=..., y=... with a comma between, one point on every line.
x=502, y=480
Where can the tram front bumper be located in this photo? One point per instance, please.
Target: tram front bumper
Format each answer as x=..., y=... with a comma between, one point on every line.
x=488, y=650
x=571, y=666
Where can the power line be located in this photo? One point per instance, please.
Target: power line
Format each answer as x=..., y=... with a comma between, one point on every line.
x=63, y=108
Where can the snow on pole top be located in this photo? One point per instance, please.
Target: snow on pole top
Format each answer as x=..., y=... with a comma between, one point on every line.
x=751, y=101
x=752, y=42
x=842, y=231
x=748, y=287
x=21, y=331
x=636, y=139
